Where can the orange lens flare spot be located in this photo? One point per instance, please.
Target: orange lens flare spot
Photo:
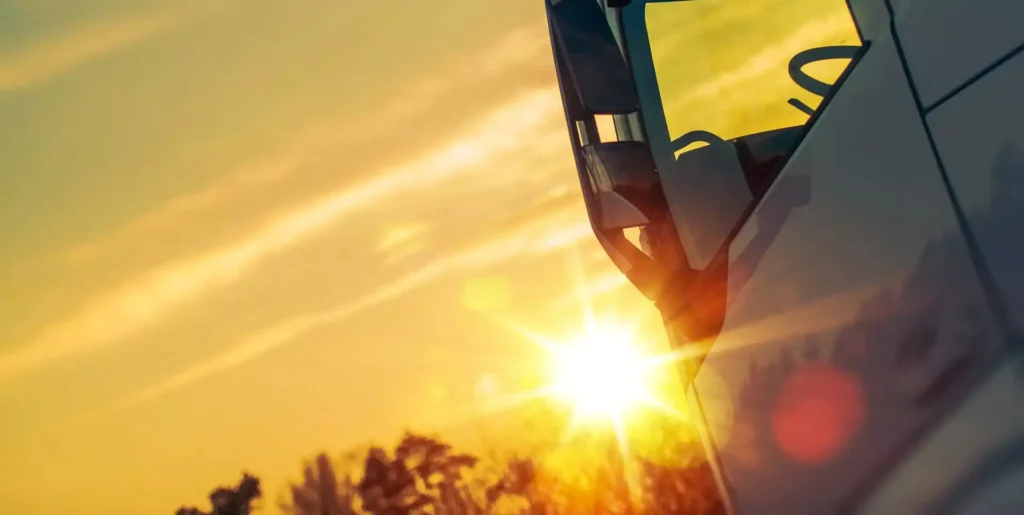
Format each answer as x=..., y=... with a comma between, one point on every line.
x=820, y=408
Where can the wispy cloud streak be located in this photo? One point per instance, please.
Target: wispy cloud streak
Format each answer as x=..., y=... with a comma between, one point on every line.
x=37, y=63
x=542, y=237
x=145, y=299
x=520, y=48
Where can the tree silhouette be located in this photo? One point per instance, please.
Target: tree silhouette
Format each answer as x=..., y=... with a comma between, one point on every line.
x=321, y=492
x=230, y=501
x=423, y=475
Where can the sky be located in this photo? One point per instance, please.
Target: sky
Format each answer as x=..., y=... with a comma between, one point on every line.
x=234, y=233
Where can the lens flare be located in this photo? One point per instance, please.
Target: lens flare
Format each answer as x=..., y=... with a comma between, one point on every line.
x=602, y=375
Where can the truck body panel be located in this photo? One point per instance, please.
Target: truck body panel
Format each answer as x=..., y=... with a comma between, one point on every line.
x=979, y=134
x=857, y=336
x=852, y=269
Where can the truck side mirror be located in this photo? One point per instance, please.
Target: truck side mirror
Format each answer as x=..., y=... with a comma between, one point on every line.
x=602, y=81
x=619, y=181
x=709, y=188
x=627, y=184
x=708, y=194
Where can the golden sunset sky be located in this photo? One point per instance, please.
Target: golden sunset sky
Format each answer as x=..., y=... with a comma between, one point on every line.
x=234, y=233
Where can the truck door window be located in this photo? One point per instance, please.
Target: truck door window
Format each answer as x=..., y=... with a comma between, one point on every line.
x=723, y=65
x=722, y=74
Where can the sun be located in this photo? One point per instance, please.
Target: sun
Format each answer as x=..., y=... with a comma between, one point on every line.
x=602, y=374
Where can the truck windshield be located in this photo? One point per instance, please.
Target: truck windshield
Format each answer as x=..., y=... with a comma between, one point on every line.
x=744, y=72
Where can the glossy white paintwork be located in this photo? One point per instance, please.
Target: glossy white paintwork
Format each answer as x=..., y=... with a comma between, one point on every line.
x=872, y=17
x=987, y=428
x=869, y=264
x=946, y=42
x=980, y=137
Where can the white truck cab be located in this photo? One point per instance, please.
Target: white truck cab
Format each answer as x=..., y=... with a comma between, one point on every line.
x=830, y=199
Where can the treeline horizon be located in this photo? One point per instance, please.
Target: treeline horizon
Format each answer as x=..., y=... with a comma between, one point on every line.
x=425, y=474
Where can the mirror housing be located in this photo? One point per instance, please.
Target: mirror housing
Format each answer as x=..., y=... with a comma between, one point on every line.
x=708, y=193
x=626, y=183
x=710, y=188
x=619, y=181
x=601, y=78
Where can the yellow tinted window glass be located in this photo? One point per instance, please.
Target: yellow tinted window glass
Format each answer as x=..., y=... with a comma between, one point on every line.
x=723, y=65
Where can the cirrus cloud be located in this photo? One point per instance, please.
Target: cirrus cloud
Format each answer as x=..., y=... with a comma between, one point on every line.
x=143, y=300
x=41, y=61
